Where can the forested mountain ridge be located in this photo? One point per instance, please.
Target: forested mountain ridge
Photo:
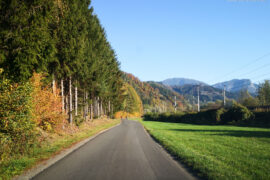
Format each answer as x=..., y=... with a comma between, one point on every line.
x=168, y=94
x=181, y=82
x=207, y=93
x=155, y=96
x=234, y=85
x=148, y=95
x=210, y=93
x=237, y=85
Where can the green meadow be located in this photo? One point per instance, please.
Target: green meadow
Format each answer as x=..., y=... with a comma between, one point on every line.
x=217, y=152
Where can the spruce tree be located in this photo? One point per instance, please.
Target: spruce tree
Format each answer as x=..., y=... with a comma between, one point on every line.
x=25, y=44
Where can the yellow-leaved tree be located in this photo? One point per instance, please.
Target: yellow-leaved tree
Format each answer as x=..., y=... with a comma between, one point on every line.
x=132, y=104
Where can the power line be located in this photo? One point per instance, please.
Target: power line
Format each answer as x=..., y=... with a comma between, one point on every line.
x=243, y=67
x=261, y=67
x=260, y=76
x=235, y=88
x=240, y=86
x=260, y=81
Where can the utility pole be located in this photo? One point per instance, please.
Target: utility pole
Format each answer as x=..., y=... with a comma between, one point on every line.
x=174, y=104
x=224, y=96
x=193, y=104
x=163, y=106
x=199, y=98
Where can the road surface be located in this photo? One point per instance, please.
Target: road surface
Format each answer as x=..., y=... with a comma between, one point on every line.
x=124, y=152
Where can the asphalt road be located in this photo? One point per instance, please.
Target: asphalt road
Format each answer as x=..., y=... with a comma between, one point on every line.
x=125, y=152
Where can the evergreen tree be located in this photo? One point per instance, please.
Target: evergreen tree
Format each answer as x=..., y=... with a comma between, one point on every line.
x=246, y=99
x=264, y=93
x=65, y=40
x=25, y=41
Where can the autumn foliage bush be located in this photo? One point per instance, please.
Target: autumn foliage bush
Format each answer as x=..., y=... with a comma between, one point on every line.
x=47, y=106
x=24, y=108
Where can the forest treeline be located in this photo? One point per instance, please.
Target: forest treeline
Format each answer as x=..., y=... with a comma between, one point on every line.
x=64, y=40
x=57, y=69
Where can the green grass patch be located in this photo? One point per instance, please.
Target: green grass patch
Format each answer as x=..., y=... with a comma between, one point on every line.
x=217, y=152
x=17, y=165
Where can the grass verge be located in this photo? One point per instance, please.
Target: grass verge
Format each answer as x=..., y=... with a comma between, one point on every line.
x=53, y=144
x=217, y=152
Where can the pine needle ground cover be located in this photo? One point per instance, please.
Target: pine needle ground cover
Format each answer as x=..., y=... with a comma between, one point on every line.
x=53, y=144
x=217, y=152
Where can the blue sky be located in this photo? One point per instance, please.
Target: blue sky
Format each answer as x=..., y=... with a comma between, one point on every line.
x=207, y=40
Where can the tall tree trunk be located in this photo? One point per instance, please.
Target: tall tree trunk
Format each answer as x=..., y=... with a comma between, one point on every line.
x=94, y=106
x=91, y=111
x=70, y=100
x=105, y=109
x=84, y=105
x=67, y=104
x=101, y=108
x=62, y=95
x=112, y=109
x=109, y=108
x=53, y=85
x=98, y=111
x=76, y=100
x=87, y=107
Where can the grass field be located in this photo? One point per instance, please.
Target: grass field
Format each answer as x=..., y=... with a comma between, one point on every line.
x=217, y=152
x=51, y=146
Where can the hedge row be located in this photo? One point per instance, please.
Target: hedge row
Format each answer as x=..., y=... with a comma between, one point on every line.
x=25, y=108
x=17, y=132
x=236, y=115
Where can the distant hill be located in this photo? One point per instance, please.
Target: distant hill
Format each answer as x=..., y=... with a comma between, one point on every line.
x=155, y=96
x=188, y=88
x=181, y=82
x=237, y=85
x=207, y=93
x=167, y=93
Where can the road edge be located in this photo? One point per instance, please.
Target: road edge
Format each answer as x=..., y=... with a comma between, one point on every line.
x=46, y=164
x=184, y=168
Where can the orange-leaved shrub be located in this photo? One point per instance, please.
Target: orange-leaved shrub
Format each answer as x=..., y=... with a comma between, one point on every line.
x=47, y=106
